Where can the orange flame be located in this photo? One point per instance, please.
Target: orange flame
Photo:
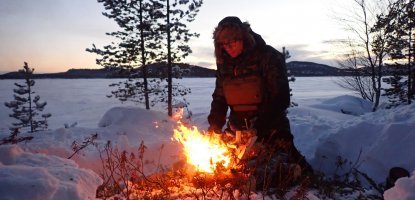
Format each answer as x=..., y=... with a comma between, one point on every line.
x=203, y=151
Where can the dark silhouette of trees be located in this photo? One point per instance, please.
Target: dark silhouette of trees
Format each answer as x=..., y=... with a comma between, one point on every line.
x=177, y=14
x=384, y=34
x=366, y=52
x=149, y=29
x=138, y=45
x=26, y=106
x=399, y=24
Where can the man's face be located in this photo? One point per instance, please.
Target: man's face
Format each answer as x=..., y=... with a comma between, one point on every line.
x=233, y=47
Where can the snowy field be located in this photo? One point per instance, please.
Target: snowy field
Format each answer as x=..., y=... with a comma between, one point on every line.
x=372, y=142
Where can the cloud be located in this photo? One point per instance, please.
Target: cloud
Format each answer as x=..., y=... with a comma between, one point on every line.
x=210, y=65
x=300, y=52
x=202, y=56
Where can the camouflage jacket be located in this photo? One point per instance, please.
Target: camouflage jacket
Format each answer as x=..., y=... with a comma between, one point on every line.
x=270, y=65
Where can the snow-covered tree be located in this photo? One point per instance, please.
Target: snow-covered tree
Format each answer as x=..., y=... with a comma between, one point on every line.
x=26, y=106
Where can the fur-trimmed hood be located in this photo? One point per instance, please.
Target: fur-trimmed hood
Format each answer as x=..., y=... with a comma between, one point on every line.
x=232, y=28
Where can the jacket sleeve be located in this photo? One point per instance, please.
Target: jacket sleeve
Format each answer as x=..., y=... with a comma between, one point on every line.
x=277, y=89
x=277, y=82
x=219, y=107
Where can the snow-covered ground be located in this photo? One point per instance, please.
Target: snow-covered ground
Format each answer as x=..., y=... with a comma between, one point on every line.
x=329, y=123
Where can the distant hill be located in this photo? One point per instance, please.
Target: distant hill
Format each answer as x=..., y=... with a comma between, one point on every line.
x=154, y=71
x=186, y=70
x=296, y=68
x=72, y=73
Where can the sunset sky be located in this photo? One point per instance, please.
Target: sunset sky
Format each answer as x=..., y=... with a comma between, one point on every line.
x=52, y=35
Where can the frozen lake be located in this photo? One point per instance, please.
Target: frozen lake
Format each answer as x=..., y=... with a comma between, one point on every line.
x=84, y=100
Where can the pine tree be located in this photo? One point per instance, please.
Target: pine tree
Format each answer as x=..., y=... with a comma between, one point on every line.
x=177, y=35
x=145, y=28
x=139, y=45
x=399, y=24
x=26, y=106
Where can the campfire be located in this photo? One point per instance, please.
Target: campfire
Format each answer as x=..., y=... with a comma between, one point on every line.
x=205, y=152
x=208, y=152
x=216, y=160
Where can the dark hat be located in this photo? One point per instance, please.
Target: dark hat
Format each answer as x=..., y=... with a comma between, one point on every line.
x=230, y=20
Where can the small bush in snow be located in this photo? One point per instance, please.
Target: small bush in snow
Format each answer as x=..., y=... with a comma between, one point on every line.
x=26, y=106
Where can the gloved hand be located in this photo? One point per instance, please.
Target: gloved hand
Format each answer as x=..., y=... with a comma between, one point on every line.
x=214, y=129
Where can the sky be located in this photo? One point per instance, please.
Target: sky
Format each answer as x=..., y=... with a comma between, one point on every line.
x=373, y=142
x=52, y=35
